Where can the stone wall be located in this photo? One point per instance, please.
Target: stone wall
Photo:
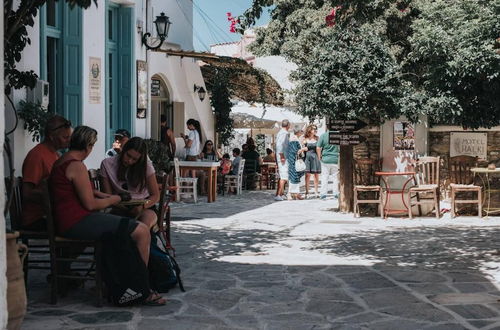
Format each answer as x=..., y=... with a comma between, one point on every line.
x=439, y=145
x=371, y=147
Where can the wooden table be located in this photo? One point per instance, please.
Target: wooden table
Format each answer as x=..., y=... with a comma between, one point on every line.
x=268, y=169
x=484, y=174
x=383, y=175
x=210, y=168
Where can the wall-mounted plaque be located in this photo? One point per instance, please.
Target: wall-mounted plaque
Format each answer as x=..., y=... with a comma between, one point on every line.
x=469, y=144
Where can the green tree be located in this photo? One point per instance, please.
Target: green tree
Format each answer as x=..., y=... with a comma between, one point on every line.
x=221, y=103
x=386, y=58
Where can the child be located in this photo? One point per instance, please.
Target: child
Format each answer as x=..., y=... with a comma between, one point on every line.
x=225, y=164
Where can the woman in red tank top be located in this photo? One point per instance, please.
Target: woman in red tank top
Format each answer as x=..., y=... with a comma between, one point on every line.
x=75, y=203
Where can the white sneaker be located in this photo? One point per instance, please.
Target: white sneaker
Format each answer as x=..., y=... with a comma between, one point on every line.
x=278, y=198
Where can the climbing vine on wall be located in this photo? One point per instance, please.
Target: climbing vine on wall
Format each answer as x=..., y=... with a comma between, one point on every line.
x=221, y=105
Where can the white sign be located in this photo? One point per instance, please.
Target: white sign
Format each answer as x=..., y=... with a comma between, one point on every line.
x=468, y=144
x=95, y=71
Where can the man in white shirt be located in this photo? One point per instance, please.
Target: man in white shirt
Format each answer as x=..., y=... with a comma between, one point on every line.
x=282, y=140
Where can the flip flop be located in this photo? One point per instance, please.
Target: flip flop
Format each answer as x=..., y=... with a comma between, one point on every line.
x=155, y=299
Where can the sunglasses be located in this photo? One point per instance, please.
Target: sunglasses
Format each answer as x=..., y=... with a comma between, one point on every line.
x=66, y=124
x=209, y=144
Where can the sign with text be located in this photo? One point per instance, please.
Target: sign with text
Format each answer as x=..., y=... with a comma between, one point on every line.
x=469, y=144
x=345, y=139
x=95, y=72
x=345, y=125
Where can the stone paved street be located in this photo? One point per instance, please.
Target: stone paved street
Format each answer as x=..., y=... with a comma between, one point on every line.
x=251, y=263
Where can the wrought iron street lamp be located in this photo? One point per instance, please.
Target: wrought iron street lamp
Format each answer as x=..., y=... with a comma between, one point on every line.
x=201, y=92
x=162, y=24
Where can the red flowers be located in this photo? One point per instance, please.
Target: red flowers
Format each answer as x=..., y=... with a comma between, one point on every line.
x=330, y=18
x=234, y=21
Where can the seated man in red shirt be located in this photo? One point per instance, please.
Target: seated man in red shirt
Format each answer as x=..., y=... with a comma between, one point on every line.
x=37, y=166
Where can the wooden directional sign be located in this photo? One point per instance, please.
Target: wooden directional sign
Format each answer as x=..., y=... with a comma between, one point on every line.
x=345, y=125
x=344, y=139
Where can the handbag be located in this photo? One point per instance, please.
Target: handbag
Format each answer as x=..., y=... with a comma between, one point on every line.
x=300, y=165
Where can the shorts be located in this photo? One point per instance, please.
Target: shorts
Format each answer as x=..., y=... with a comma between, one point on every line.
x=283, y=170
x=191, y=158
x=94, y=225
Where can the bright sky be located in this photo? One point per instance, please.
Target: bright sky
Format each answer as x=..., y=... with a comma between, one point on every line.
x=210, y=24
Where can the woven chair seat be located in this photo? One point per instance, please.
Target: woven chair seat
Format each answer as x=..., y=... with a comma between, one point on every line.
x=424, y=187
x=368, y=188
x=464, y=186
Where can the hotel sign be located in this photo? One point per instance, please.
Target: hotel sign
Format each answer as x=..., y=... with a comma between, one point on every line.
x=95, y=73
x=468, y=144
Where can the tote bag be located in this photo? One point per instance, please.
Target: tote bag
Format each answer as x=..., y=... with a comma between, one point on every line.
x=300, y=165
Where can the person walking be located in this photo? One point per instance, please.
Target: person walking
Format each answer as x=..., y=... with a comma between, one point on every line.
x=313, y=164
x=295, y=150
x=329, y=156
x=282, y=142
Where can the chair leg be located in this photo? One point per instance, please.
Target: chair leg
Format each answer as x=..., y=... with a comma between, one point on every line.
x=480, y=203
x=53, y=280
x=356, y=205
x=436, y=204
x=453, y=214
x=195, y=194
x=178, y=193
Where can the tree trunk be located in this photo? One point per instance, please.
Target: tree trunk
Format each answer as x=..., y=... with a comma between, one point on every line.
x=346, y=179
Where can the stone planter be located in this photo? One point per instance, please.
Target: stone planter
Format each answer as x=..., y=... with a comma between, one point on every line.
x=16, y=292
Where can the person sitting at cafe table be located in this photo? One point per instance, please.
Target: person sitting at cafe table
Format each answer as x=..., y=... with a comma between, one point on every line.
x=270, y=157
x=252, y=157
x=121, y=138
x=209, y=153
x=76, y=205
x=37, y=166
x=236, y=161
x=132, y=172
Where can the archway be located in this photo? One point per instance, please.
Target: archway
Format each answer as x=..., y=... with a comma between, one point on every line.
x=161, y=104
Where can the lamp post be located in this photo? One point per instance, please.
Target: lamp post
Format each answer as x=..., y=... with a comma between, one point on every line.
x=162, y=24
x=201, y=92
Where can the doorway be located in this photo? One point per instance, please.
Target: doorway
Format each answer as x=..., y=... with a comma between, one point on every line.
x=161, y=104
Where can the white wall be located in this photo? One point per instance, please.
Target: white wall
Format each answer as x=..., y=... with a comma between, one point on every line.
x=3, y=257
x=94, y=115
x=180, y=75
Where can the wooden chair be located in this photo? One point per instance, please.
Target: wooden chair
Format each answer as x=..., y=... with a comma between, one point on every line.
x=461, y=178
x=426, y=190
x=185, y=186
x=95, y=178
x=365, y=181
x=250, y=175
x=235, y=181
x=163, y=209
x=267, y=176
x=38, y=256
x=60, y=250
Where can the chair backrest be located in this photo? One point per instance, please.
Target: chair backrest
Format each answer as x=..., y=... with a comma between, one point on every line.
x=95, y=178
x=161, y=178
x=427, y=170
x=250, y=166
x=16, y=203
x=364, y=171
x=176, y=166
x=47, y=208
x=241, y=167
x=459, y=169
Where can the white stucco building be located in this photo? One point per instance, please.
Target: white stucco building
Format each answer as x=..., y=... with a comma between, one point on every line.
x=70, y=45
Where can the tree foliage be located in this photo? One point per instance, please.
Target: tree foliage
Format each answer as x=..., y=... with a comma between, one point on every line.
x=386, y=58
x=17, y=21
x=221, y=104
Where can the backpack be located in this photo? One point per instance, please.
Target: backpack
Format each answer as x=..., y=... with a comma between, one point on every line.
x=164, y=272
x=124, y=272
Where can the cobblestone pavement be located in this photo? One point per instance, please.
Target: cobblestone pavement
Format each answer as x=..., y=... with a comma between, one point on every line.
x=251, y=263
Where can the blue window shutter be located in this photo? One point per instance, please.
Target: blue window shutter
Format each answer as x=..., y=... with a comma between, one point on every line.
x=125, y=67
x=72, y=64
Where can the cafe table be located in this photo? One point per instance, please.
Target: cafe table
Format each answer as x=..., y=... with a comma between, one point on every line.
x=210, y=169
x=389, y=191
x=485, y=175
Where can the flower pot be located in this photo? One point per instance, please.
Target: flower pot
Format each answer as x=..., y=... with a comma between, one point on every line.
x=16, y=292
